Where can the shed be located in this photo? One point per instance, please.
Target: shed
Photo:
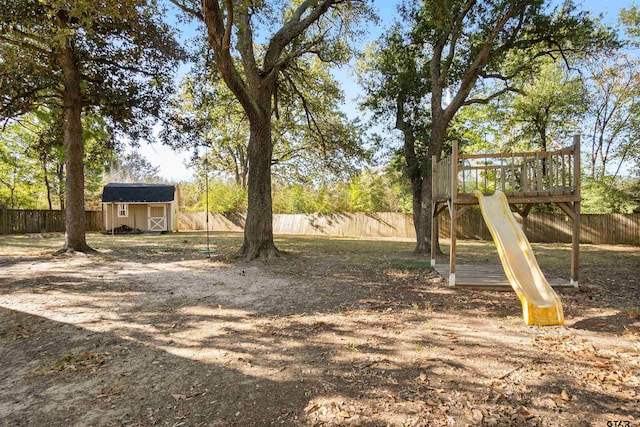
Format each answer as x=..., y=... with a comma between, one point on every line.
x=146, y=207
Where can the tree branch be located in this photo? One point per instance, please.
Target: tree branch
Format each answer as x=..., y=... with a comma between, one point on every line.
x=455, y=34
x=310, y=119
x=245, y=46
x=306, y=48
x=219, y=37
x=23, y=43
x=493, y=96
x=188, y=10
x=481, y=59
x=293, y=28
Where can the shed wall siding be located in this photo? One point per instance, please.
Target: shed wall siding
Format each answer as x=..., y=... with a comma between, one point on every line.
x=138, y=216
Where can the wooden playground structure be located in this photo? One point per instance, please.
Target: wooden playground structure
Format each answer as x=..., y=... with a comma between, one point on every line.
x=526, y=178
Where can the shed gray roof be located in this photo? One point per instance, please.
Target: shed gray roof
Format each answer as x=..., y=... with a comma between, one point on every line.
x=138, y=193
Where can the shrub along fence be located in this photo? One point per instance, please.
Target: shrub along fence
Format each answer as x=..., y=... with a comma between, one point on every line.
x=17, y=221
x=540, y=227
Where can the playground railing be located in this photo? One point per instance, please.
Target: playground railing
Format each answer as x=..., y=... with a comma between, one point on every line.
x=518, y=175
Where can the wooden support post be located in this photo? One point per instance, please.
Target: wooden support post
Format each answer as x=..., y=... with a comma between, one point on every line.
x=452, y=212
x=575, y=236
x=502, y=174
x=538, y=172
x=464, y=183
x=513, y=174
x=524, y=174
x=547, y=166
x=564, y=176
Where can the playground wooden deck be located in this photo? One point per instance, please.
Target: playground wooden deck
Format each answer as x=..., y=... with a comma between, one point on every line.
x=524, y=179
x=488, y=277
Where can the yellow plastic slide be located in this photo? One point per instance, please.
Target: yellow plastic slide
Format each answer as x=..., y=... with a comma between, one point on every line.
x=540, y=304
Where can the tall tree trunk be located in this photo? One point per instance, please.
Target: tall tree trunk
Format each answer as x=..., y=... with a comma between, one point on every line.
x=46, y=181
x=425, y=213
x=422, y=239
x=12, y=197
x=415, y=173
x=61, y=184
x=258, y=228
x=75, y=239
x=438, y=137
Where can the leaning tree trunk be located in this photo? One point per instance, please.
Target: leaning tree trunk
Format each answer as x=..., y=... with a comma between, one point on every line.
x=422, y=242
x=415, y=174
x=258, y=228
x=75, y=239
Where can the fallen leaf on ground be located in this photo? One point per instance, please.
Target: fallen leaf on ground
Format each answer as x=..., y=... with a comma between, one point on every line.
x=477, y=415
x=524, y=414
x=311, y=408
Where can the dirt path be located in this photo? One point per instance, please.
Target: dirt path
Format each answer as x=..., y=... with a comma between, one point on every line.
x=345, y=335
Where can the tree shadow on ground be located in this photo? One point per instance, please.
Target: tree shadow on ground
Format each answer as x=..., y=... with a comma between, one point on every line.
x=620, y=323
x=292, y=370
x=320, y=339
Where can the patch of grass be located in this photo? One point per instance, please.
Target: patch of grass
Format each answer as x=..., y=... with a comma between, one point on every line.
x=20, y=332
x=514, y=320
x=75, y=362
x=429, y=325
x=633, y=312
x=406, y=264
x=115, y=389
x=352, y=247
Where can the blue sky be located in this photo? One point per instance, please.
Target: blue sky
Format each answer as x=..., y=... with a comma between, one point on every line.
x=171, y=163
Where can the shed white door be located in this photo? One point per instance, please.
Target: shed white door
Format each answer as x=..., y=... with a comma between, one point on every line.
x=157, y=215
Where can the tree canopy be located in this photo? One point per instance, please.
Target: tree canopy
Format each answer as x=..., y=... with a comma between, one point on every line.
x=469, y=53
x=115, y=58
x=313, y=141
x=125, y=57
x=256, y=47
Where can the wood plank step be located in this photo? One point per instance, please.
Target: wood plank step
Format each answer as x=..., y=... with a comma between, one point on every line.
x=488, y=277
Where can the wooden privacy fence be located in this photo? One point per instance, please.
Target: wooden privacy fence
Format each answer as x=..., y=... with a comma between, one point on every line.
x=385, y=224
x=539, y=227
x=555, y=228
x=17, y=221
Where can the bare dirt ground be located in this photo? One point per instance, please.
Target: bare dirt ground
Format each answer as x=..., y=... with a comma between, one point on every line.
x=338, y=332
